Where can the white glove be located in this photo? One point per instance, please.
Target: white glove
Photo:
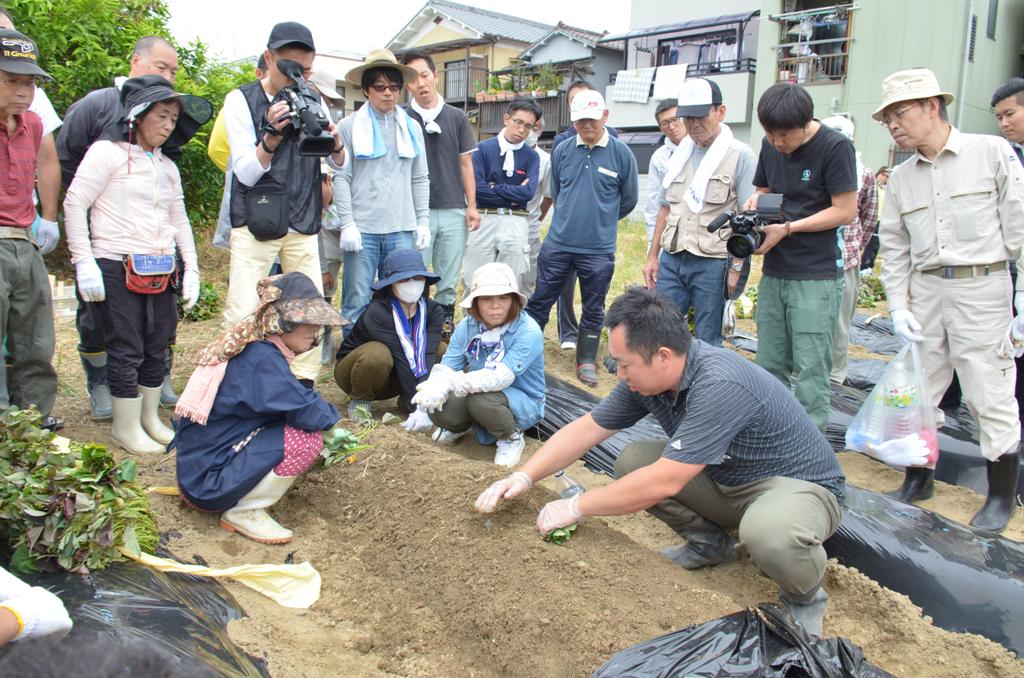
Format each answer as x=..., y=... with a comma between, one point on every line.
x=351, y=239
x=417, y=422
x=905, y=325
x=432, y=393
x=47, y=236
x=190, y=289
x=462, y=384
x=559, y=513
x=90, y=280
x=39, y=613
x=909, y=450
x=422, y=237
x=729, y=318
x=506, y=488
x=11, y=586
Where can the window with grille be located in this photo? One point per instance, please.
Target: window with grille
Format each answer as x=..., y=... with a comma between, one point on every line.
x=993, y=11
x=814, y=41
x=974, y=35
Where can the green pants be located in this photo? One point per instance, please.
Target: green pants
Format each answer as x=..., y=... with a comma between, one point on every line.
x=447, y=247
x=796, y=320
x=26, y=325
x=782, y=522
x=488, y=410
x=367, y=373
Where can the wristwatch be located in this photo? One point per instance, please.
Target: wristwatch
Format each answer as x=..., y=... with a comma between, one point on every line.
x=737, y=266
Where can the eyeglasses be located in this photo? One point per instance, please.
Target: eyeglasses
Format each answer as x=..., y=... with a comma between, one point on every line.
x=887, y=120
x=670, y=122
x=380, y=89
x=524, y=125
x=20, y=83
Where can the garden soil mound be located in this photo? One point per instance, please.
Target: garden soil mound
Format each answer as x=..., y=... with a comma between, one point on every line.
x=416, y=583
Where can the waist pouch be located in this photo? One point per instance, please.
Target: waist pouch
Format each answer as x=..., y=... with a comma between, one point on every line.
x=148, y=273
x=266, y=207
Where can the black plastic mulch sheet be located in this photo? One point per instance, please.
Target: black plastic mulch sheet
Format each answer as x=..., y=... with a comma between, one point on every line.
x=183, y=618
x=759, y=641
x=966, y=581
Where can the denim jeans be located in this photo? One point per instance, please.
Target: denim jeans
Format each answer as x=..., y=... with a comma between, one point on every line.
x=691, y=280
x=553, y=269
x=363, y=267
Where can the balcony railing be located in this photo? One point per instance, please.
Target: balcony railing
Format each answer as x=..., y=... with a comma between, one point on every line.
x=554, y=109
x=459, y=82
x=813, y=69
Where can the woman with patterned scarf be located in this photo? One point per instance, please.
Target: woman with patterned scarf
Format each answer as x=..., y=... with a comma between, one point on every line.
x=246, y=427
x=492, y=375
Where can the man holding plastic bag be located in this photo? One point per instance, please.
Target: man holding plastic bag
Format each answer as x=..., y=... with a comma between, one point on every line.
x=952, y=220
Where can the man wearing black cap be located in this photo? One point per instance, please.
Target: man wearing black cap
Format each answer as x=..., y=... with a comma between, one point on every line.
x=276, y=203
x=26, y=314
x=84, y=123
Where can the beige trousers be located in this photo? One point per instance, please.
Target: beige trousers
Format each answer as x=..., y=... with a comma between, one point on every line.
x=251, y=260
x=963, y=322
x=501, y=237
x=782, y=522
x=841, y=337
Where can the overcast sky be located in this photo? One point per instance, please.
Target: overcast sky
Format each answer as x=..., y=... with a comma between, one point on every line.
x=234, y=30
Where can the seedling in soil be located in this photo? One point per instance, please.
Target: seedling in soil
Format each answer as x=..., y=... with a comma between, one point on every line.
x=560, y=535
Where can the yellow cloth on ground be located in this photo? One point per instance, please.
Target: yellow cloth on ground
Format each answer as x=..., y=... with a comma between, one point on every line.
x=289, y=585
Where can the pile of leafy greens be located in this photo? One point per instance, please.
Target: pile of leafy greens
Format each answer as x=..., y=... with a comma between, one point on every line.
x=67, y=506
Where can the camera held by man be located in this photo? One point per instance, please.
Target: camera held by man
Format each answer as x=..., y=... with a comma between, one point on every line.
x=308, y=116
x=747, y=227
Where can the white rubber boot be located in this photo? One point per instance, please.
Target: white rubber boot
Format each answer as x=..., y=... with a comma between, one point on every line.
x=151, y=422
x=249, y=517
x=127, y=427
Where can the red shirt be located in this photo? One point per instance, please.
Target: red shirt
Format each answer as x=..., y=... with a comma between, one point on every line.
x=18, y=153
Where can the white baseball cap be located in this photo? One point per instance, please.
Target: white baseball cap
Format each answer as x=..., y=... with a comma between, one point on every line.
x=841, y=124
x=587, y=104
x=696, y=97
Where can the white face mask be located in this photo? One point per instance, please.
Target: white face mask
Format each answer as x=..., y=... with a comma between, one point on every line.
x=531, y=140
x=409, y=291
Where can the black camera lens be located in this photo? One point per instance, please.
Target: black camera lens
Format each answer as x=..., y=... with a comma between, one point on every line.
x=742, y=245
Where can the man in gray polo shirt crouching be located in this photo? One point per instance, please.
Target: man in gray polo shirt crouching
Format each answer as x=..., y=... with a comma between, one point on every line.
x=741, y=453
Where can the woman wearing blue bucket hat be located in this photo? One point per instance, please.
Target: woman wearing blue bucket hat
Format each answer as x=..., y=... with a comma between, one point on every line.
x=395, y=342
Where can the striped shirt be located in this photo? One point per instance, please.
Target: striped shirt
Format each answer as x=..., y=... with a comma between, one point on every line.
x=733, y=417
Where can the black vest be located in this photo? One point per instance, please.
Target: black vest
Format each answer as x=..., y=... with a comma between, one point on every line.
x=299, y=174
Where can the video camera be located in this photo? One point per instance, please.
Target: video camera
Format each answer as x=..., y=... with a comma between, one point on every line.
x=308, y=116
x=747, y=234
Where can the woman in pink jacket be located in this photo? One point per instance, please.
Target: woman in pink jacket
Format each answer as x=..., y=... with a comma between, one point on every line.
x=125, y=214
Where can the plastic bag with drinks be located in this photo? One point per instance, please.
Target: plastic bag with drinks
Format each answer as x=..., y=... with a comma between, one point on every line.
x=896, y=424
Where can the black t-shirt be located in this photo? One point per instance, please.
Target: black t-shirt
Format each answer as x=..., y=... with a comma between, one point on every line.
x=443, y=151
x=808, y=178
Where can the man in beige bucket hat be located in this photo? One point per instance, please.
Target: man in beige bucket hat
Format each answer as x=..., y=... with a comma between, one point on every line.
x=382, y=195
x=951, y=222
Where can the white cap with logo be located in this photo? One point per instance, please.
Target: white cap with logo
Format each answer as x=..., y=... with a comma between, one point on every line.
x=587, y=104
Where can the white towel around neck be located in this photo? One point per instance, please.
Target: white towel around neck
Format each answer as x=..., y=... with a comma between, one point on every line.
x=694, y=196
x=507, y=149
x=429, y=115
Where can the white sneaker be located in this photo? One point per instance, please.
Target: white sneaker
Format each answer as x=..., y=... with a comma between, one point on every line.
x=568, y=345
x=443, y=436
x=510, y=450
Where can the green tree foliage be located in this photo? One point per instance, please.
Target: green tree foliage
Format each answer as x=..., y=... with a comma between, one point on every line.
x=85, y=44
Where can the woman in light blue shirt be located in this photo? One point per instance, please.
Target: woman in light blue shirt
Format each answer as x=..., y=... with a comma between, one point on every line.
x=492, y=375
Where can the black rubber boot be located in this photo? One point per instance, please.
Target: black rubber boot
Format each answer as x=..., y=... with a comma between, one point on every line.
x=448, y=324
x=586, y=356
x=808, y=610
x=705, y=546
x=918, y=485
x=167, y=394
x=101, y=407
x=1003, y=474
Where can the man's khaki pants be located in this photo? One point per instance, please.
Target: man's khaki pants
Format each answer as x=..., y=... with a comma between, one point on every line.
x=501, y=237
x=963, y=322
x=782, y=521
x=251, y=260
x=841, y=336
